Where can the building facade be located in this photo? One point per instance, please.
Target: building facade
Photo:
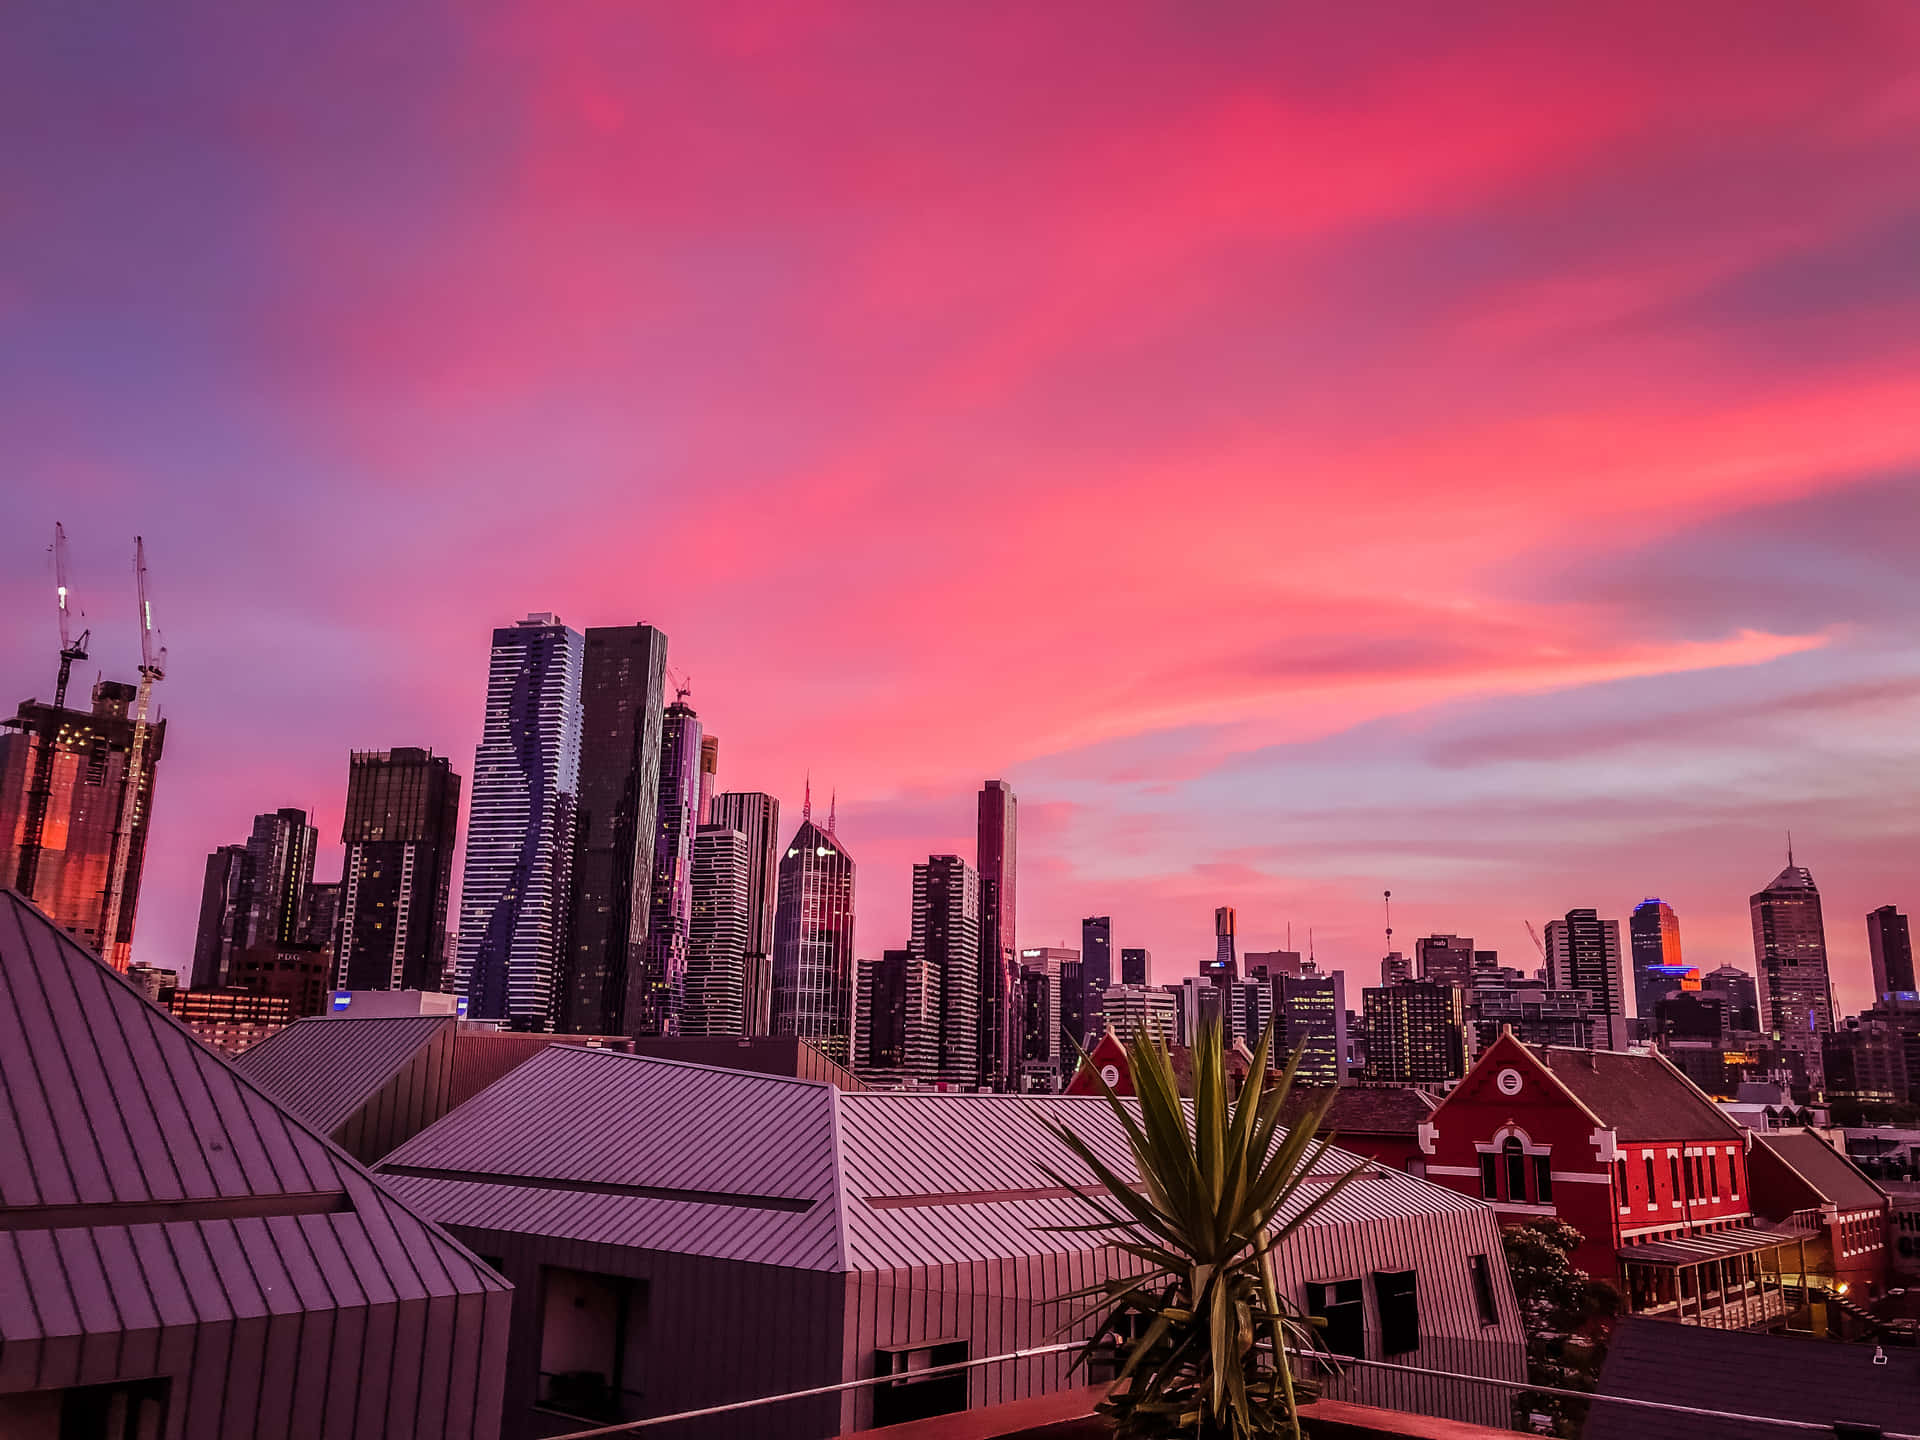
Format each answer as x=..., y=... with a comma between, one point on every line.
x=1790, y=963
x=1737, y=989
x=1225, y=964
x=1445, y=959
x=1312, y=1018
x=86, y=800
x=622, y=685
x=222, y=898
x=813, y=941
x=1043, y=1035
x=756, y=816
x=716, y=984
x=1080, y=1004
x=1653, y=933
x=943, y=997
x=1890, y=947
x=1583, y=953
x=1416, y=1033
x=709, y=775
x=401, y=825
x=880, y=1018
x=655, y=995
x=521, y=826
x=997, y=852
x=1134, y=965
x=1133, y=1009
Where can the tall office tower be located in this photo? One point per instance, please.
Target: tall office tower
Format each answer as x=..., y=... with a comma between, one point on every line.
x=222, y=894
x=1583, y=953
x=1313, y=1013
x=1735, y=986
x=717, y=936
x=709, y=775
x=1445, y=958
x=1395, y=968
x=1249, y=1009
x=1654, y=932
x=880, y=1018
x=401, y=825
x=1890, y=944
x=999, y=979
x=756, y=995
x=521, y=826
x=813, y=940
x=1133, y=966
x=657, y=991
x=320, y=915
x=1042, y=982
x=1134, y=1009
x=943, y=1028
x=1096, y=974
x=1073, y=1015
x=279, y=869
x=1790, y=958
x=756, y=816
x=86, y=793
x=1416, y=1033
x=1266, y=964
x=1203, y=1001
x=622, y=679
x=1225, y=964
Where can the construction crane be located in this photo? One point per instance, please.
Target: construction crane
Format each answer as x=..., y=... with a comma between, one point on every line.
x=153, y=667
x=40, y=791
x=1534, y=935
x=682, y=684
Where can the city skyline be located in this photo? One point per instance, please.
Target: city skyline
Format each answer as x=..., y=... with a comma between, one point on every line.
x=1495, y=522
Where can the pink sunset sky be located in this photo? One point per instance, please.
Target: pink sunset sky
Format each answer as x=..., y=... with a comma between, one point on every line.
x=1469, y=449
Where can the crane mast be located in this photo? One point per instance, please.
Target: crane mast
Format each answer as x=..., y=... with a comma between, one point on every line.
x=40, y=788
x=153, y=667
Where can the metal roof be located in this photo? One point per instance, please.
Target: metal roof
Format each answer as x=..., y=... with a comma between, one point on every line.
x=1641, y=1098
x=224, y=1205
x=630, y=1150
x=324, y=1068
x=1827, y=1172
x=1707, y=1245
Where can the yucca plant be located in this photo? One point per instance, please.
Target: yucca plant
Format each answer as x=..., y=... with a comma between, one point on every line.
x=1213, y=1332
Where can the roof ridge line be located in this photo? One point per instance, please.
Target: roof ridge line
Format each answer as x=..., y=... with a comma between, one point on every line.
x=695, y=1065
x=842, y=1260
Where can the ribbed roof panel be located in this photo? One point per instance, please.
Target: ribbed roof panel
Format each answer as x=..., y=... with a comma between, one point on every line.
x=324, y=1069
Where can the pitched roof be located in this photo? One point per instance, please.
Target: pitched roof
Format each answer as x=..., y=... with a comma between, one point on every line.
x=657, y=1154
x=1641, y=1098
x=1770, y=1377
x=1832, y=1175
x=1794, y=877
x=324, y=1068
x=1371, y=1109
x=223, y=1203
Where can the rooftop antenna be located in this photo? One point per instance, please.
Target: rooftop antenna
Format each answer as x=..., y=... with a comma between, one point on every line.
x=1387, y=900
x=806, y=803
x=40, y=791
x=1789, y=849
x=833, y=804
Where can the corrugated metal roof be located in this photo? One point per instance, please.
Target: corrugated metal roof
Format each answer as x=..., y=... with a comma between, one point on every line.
x=889, y=1180
x=110, y=1102
x=325, y=1068
x=1826, y=1171
x=1641, y=1098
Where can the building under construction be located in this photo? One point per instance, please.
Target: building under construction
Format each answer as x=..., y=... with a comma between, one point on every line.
x=86, y=796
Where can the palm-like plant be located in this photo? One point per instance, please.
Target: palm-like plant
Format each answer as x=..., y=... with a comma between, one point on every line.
x=1213, y=1333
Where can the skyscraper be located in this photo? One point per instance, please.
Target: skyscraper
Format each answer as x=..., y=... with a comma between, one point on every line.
x=1655, y=934
x=521, y=825
x=1416, y=1033
x=1790, y=962
x=279, y=869
x=813, y=940
x=1583, y=953
x=1225, y=965
x=1134, y=964
x=709, y=775
x=1394, y=967
x=717, y=935
x=1080, y=1003
x=1043, y=972
x=999, y=965
x=222, y=894
x=86, y=797
x=1313, y=1012
x=1890, y=944
x=943, y=1019
x=622, y=679
x=1447, y=959
x=880, y=1018
x=656, y=993
x=401, y=825
x=1736, y=989
x=757, y=817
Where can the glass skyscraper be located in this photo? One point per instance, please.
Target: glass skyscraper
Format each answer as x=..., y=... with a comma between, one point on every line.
x=1790, y=963
x=401, y=822
x=999, y=978
x=813, y=941
x=1654, y=935
x=756, y=816
x=715, y=991
x=521, y=825
x=656, y=994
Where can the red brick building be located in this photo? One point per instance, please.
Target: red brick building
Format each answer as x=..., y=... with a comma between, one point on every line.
x=1629, y=1152
x=1801, y=1180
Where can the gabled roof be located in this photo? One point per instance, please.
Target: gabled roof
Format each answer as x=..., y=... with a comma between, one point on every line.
x=326, y=1067
x=1371, y=1109
x=656, y=1154
x=1831, y=1175
x=1641, y=1098
x=145, y=1183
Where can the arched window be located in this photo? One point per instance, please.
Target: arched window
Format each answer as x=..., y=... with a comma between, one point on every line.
x=1516, y=1169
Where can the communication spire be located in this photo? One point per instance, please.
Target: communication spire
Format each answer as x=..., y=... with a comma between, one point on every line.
x=833, y=805
x=806, y=802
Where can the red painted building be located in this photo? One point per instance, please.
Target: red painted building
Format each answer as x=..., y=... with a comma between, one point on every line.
x=1801, y=1180
x=1628, y=1151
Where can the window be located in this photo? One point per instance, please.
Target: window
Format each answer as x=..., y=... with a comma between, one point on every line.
x=909, y=1399
x=1482, y=1273
x=1620, y=1176
x=1651, y=1197
x=1338, y=1304
x=1395, y=1293
x=1516, y=1169
x=1543, y=1179
x=1489, y=1177
x=1733, y=1176
x=1673, y=1164
x=1713, y=1175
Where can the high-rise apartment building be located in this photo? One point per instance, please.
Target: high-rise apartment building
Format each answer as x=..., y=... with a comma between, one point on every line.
x=1654, y=934
x=1738, y=992
x=1583, y=953
x=1133, y=1009
x=880, y=1018
x=1890, y=946
x=279, y=868
x=999, y=978
x=521, y=826
x=1790, y=961
x=320, y=917
x=717, y=936
x=1134, y=964
x=1312, y=1011
x=1394, y=968
x=813, y=941
x=86, y=796
x=757, y=817
x=401, y=824
x=1445, y=959
x=1073, y=1015
x=1080, y=1004
x=709, y=775
x=655, y=996
x=1225, y=964
x=943, y=1019
x=222, y=931
x=1042, y=1036
x=622, y=683
x=1416, y=1033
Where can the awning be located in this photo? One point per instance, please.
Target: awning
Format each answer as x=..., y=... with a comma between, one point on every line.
x=1707, y=1246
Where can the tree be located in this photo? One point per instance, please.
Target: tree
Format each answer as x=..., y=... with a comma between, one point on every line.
x=1565, y=1313
x=1210, y=1360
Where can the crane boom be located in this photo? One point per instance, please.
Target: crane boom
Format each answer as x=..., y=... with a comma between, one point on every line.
x=153, y=668
x=40, y=787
